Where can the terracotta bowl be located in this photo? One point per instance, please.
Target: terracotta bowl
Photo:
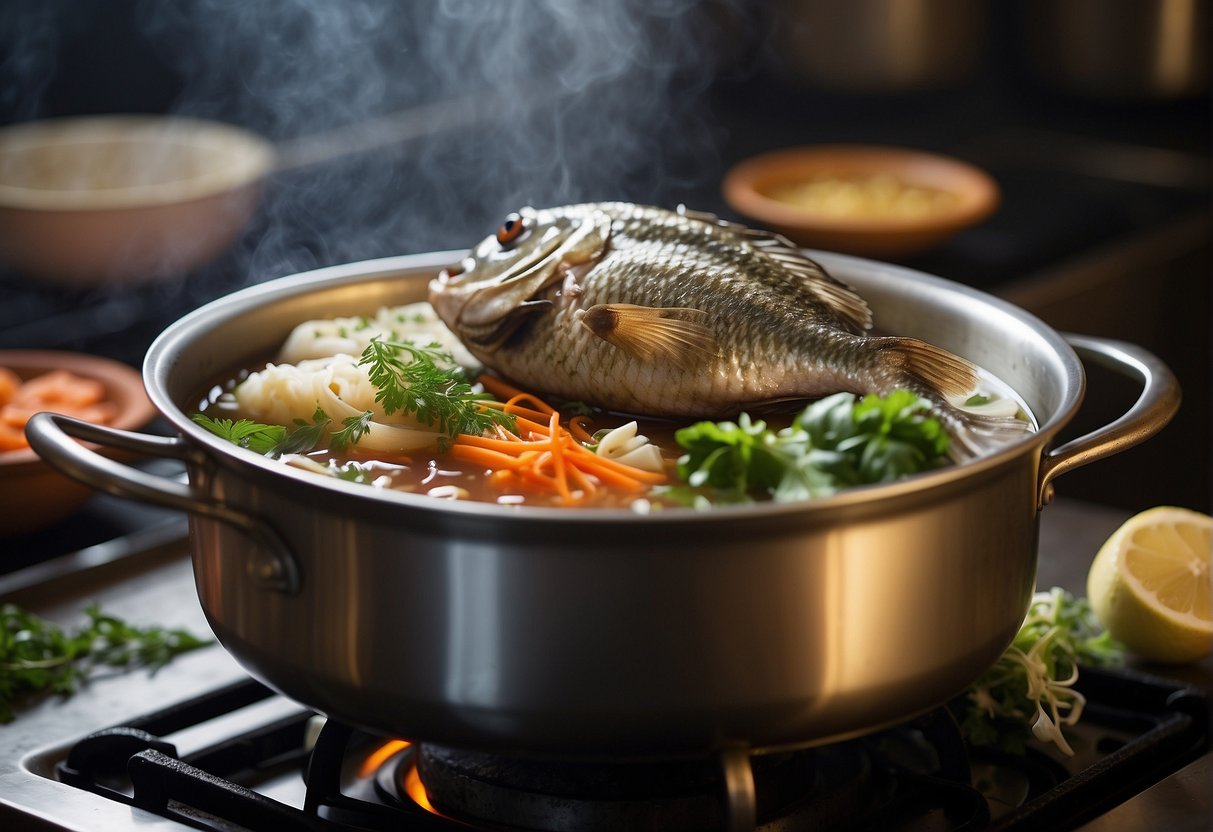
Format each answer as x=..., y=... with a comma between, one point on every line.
x=32, y=494
x=859, y=199
x=124, y=199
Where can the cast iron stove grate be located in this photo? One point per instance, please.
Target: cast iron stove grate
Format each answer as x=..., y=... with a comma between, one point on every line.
x=1135, y=731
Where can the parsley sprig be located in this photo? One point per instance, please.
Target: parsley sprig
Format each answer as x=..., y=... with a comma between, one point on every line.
x=39, y=657
x=427, y=382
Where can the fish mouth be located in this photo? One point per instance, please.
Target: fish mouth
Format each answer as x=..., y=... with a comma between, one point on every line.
x=489, y=314
x=465, y=309
x=492, y=337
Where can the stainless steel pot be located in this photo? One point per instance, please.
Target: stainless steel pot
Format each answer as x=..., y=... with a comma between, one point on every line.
x=879, y=46
x=602, y=632
x=1147, y=50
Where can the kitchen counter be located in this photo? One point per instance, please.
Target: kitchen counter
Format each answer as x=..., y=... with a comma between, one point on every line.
x=1071, y=532
x=150, y=576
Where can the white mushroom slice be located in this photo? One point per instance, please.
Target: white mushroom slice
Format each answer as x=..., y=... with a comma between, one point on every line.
x=624, y=445
x=996, y=407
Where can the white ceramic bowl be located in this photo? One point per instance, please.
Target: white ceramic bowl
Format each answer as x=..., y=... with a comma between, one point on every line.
x=124, y=199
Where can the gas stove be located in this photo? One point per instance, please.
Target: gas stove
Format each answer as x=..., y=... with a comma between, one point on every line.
x=199, y=744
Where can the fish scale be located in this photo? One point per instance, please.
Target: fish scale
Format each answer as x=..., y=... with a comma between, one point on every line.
x=642, y=310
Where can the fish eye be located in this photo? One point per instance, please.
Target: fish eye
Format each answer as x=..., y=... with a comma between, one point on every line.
x=511, y=230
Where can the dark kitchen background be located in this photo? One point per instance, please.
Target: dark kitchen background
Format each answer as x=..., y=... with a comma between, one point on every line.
x=1095, y=124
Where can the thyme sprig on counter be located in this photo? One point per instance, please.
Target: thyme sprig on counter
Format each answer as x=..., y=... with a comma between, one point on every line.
x=39, y=657
x=427, y=382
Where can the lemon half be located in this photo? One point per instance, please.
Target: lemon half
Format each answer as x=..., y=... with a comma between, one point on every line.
x=1151, y=584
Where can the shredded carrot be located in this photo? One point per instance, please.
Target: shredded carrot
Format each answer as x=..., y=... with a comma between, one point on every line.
x=577, y=428
x=484, y=456
x=562, y=478
x=504, y=445
x=583, y=481
x=511, y=394
x=515, y=410
x=548, y=457
x=604, y=468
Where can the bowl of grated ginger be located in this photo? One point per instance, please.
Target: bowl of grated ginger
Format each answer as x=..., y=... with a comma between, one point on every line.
x=868, y=200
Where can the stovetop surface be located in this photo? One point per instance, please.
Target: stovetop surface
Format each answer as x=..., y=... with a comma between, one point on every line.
x=153, y=582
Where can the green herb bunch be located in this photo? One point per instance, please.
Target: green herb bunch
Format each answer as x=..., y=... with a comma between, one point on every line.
x=835, y=443
x=39, y=657
x=1029, y=691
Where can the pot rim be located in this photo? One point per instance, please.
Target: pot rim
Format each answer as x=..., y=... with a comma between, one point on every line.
x=161, y=360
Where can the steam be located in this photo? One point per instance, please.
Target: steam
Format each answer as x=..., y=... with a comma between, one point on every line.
x=28, y=52
x=563, y=101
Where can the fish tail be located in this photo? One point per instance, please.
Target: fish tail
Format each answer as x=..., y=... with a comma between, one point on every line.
x=942, y=377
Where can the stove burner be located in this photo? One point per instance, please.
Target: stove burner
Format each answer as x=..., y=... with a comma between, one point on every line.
x=579, y=796
x=858, y=784
x=1136, y=729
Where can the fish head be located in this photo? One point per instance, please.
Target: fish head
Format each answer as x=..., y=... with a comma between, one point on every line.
x=485, y=297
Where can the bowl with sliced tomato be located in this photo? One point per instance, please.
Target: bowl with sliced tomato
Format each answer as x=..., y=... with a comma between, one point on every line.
x=100, y=390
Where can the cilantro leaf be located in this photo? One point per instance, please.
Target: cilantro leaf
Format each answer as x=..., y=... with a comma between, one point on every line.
x=269, y=440
x=246, y=433
x=834, y=443
x=733, y=456
x=899, y=439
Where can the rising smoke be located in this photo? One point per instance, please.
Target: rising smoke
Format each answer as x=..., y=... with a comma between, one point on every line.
x=569, y=101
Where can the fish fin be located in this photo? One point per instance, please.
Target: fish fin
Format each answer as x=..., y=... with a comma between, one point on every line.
x=975, y=434
x=852, y=310
x=675, y=333
x=940, y=375
x=942, y=372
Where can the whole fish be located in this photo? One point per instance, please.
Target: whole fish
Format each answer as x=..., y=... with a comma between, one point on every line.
x=648, y=311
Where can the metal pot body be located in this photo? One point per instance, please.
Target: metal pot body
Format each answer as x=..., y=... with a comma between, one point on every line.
x=1144, y=51
x=621, y=635
x=879, y=46
x=604, y=632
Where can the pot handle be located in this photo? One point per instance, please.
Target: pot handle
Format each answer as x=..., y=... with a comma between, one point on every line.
x=1157, y=403
x=50, y=435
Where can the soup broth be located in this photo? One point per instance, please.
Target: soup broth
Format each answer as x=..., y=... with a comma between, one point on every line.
x=441, y=474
